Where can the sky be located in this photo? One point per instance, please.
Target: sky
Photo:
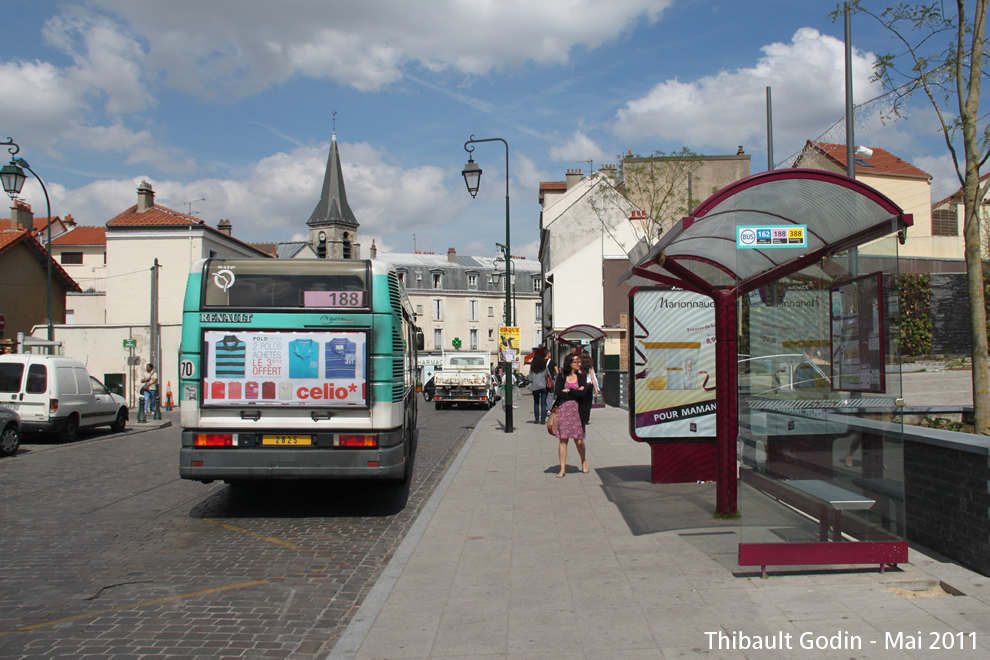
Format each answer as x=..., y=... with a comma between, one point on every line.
x=227, y=106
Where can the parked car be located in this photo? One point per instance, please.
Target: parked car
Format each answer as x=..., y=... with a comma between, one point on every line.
x=54, y=394
x=10, y=431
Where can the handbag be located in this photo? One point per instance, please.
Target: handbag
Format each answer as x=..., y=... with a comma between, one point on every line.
x=552, y=422
x=549, y=381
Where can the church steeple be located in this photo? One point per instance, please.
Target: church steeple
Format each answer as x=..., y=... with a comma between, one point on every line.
x=332, y=225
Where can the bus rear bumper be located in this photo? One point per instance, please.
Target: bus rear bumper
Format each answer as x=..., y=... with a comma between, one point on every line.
x=238, y=463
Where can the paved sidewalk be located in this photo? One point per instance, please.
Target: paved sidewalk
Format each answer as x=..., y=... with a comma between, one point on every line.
x=507, y=561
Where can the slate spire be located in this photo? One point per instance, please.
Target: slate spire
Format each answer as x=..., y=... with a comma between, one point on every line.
x=333, y=207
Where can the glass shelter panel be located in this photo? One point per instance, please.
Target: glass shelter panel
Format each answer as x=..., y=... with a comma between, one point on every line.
x=820, y=444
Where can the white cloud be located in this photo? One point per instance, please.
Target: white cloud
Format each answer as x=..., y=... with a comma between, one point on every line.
x=240, y=47
x=279, y=192
x=944, y=179
x=807, y=77
x=578, y=149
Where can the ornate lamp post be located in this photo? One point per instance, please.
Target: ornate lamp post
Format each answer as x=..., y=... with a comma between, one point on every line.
x=472, y=178
x=13, y=180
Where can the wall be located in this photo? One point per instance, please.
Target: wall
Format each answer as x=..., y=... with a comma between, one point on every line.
x=24, y=292
x=100, y=348
x=947, y=495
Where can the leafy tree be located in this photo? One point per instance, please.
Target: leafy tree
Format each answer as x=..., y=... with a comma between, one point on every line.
x=943, y=49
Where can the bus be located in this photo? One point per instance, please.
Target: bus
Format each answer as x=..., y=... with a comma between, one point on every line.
x=296, y=369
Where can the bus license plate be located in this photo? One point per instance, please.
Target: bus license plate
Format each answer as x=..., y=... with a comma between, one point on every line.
x=287, y=440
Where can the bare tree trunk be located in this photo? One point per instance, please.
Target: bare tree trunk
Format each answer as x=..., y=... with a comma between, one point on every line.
x=969, y=106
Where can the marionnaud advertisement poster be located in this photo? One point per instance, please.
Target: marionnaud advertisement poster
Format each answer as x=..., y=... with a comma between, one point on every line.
x=312, y=369
x=674, y=357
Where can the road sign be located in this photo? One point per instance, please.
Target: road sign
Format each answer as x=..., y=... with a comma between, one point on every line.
x=130, y=343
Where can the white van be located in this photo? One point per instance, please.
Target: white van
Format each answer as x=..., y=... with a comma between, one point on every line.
x=56, y=394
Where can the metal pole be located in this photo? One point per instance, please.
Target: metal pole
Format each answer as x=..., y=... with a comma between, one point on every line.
x=769, y=131
x=850, y=129
x=507, y=366
x=48, y=247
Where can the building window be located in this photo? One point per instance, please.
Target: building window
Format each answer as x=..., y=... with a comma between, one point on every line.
x=539, y=312
x=473, y=282
x=104, y=257
x=437, y=339
x=402, y=276
x=537, y=284
x=419, y=310
x=213, y=254
x=491, y=334
x=72, y=258
x=437, y=280
x=491, y=311
x=472, y=310
x=945, y=222
x=437, y=310
x=474, y=340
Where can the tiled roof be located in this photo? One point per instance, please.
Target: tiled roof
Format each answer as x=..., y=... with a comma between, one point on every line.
x=37, y=224
x=156, y=216
x=159, y=216
x=83, y=236
x=881, y=162
x=12, y=237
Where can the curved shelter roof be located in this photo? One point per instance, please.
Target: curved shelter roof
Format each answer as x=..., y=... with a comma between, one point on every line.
x=839, y=213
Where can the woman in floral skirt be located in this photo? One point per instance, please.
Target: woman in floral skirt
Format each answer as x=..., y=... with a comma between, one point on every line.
x=570, y=390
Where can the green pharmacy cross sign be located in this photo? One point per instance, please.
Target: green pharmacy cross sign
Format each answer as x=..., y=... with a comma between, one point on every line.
x=456, y=342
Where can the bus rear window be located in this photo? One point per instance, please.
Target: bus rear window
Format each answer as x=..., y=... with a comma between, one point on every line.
x=266, y=283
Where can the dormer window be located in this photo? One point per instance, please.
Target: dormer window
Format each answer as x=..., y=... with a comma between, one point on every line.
x=437, y=279
x=401, y=272
x=537, y=284
x=472, y=281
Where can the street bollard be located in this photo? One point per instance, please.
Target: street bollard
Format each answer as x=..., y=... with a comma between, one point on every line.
x=140, y=413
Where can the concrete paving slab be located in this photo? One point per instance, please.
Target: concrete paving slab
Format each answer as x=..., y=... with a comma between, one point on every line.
x=514, y=563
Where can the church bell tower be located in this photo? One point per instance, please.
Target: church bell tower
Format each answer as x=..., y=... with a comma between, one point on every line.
x=332, y=225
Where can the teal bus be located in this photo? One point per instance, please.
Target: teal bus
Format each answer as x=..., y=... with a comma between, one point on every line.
x=296, y=369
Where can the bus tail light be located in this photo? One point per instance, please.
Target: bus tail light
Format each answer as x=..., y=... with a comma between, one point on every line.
x=364, y=441
x=214, y=440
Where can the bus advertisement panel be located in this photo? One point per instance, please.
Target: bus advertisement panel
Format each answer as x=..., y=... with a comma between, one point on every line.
x=290, y=368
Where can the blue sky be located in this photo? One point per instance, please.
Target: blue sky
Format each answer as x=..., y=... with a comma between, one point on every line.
x=231, y=102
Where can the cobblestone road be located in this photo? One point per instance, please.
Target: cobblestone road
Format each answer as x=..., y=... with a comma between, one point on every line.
x=108, y=554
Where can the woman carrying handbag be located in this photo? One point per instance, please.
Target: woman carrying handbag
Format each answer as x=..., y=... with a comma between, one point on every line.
x=538, y=386
x=570, y=390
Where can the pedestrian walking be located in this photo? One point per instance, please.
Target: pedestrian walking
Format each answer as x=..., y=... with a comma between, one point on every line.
x=570, y=389
x=149, y=388
x=588, y=369
x=538, y=386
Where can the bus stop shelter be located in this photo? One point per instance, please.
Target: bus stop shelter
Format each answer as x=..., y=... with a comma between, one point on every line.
x=712, y=252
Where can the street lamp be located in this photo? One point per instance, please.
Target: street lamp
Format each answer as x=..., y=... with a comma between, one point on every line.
x=13, y=180
x=472, y=179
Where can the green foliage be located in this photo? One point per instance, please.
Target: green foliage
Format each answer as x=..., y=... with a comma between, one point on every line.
x=943, y=424
x=916, y=314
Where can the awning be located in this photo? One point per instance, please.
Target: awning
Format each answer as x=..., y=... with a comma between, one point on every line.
x=839, y=213
x=580, y=332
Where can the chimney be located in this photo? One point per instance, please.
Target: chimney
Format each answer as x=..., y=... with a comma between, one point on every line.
x=69, y=221
x=741, y=151
x=374, y=250
x=224, y=227
x=146, y=197
x=21, y=216
x=452, y=255
x=608, y=170
x=573, y=176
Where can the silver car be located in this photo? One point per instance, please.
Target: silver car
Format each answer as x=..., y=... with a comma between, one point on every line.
x=10, y=431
